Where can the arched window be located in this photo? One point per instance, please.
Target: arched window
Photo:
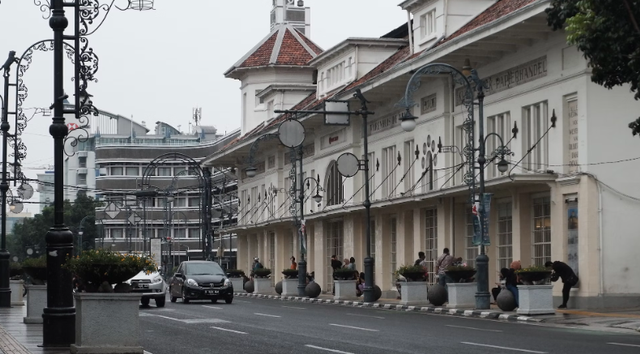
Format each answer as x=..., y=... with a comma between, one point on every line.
x=333, y=185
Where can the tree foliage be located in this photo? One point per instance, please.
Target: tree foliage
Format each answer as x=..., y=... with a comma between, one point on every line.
x=608, y=35
x=31, y=232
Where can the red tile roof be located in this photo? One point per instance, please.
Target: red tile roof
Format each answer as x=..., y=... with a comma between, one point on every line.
x=288, y=45
x=492, y=13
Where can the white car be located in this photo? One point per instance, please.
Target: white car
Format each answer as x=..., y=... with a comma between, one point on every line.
x=151, y=286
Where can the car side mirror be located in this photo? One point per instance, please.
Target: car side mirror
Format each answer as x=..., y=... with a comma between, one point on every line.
x=178, y=275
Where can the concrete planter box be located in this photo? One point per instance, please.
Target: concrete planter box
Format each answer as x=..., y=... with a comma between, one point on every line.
x=413, y=293
x=462, y=295
x=107, y=323
x=535, y=299
x=238, y=284
x=290, y=287
x=17, y=289
x=345, y=290
x=262, y=286
x=36, y=302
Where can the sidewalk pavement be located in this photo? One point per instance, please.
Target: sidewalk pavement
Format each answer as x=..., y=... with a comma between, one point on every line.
x=16, y=337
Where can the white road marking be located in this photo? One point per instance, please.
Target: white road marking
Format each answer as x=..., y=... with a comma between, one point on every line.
x=477, y=329
x=267, y=315
x=228, y=330
x=293, y=307
x=505, y=348
x=185, y=320
x=212, y=307
x=146, y=352
x=248, y=302
x=625, y=345
x=353, y=327
x=355, y=314
x=327, y=349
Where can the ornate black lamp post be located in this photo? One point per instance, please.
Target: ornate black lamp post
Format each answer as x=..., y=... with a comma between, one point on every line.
x=337, y=113
x=469, y=80
x=59, y=315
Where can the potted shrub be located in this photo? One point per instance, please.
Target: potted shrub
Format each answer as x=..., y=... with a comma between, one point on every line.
x=235, y=273
x=290, y=282
x=413, y=272
x=120, y=330
x=460, y=273
x=262, y=273
x=344, y=274
x=15, y=270
x=100, y=269
x=36, y=269
x=534, y=275
x=535, y=296
x=290, y=273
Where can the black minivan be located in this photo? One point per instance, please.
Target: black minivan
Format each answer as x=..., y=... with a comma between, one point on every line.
x=200, y=280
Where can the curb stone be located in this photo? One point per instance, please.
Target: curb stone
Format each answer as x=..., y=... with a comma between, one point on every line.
x=493, y=315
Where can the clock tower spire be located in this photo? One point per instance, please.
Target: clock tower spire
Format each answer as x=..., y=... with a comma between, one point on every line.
x=293, y=13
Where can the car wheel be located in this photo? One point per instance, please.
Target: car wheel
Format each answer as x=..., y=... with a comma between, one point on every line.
x=229, y=300
x=145, y=301
x=184, y=297
x=160, y=301
x=213, y=301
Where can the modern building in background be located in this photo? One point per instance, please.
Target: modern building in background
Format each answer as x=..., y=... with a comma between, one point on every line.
x=566, y=196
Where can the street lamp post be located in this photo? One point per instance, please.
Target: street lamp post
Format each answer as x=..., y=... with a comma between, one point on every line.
x=59, y=316
x=5, y=288
x=349, y=165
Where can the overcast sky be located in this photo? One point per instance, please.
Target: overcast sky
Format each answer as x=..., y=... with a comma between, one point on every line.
x=159, y=65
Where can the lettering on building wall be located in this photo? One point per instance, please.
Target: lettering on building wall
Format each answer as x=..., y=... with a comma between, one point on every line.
x=572, y=236
x=573, y=137
x=428, y=104
x=519, y=75
x=385, y=123
x=271, y=161
x=332, y=139
x=308, y=151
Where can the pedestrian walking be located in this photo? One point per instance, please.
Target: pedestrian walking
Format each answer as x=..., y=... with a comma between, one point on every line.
x=569, y=278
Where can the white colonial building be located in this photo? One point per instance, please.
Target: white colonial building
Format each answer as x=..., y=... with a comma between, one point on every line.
x=567, y=195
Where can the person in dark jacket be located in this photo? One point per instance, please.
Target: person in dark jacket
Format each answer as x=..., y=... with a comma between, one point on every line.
x=569, y=279
x=511, y=282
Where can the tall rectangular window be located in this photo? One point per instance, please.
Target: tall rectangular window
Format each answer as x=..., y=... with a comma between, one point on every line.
x=459, y=161
x=471, y=252
x=372, y=174
x=505, y=229
x=428, y=24
x=389, y=163
x=335, y=244
x=254, y=204
x=535, y=123
x=82, y=162
x=499, y=124
x=393, y=237
x=431, y=241
x=244, y=206
x=409, y=165
x=272, y=254
x=372, y=244
x=541, y=242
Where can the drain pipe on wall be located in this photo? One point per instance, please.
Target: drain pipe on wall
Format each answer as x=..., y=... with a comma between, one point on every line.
x=410, y=31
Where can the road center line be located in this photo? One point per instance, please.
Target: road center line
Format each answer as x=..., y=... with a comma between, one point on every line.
x=228, y=330
x=355, y=314
x=477, y=329
x=353, y=327
x=293, y=307
x=327, y=349
x=505, y=348
x=267, y=315
x=212, y=307
x=625, y=345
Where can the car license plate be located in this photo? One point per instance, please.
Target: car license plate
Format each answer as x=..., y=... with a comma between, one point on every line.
x=211, y=292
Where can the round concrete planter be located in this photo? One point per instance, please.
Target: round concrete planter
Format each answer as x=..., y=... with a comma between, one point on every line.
x=107, y=323
x=313, y=290
x=505, y=300
x=437, y=295
x=248, y=286
x=279, y=287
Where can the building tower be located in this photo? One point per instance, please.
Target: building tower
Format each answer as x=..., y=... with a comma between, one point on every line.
x=293, y=13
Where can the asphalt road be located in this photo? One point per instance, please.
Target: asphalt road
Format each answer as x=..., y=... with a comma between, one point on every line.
x=269, y=326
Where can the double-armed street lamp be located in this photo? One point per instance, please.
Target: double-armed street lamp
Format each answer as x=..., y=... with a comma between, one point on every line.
x=291, y=134
x=59, y=314
x=338, y=113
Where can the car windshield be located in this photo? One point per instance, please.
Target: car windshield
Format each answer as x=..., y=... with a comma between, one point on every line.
x=204, y=269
